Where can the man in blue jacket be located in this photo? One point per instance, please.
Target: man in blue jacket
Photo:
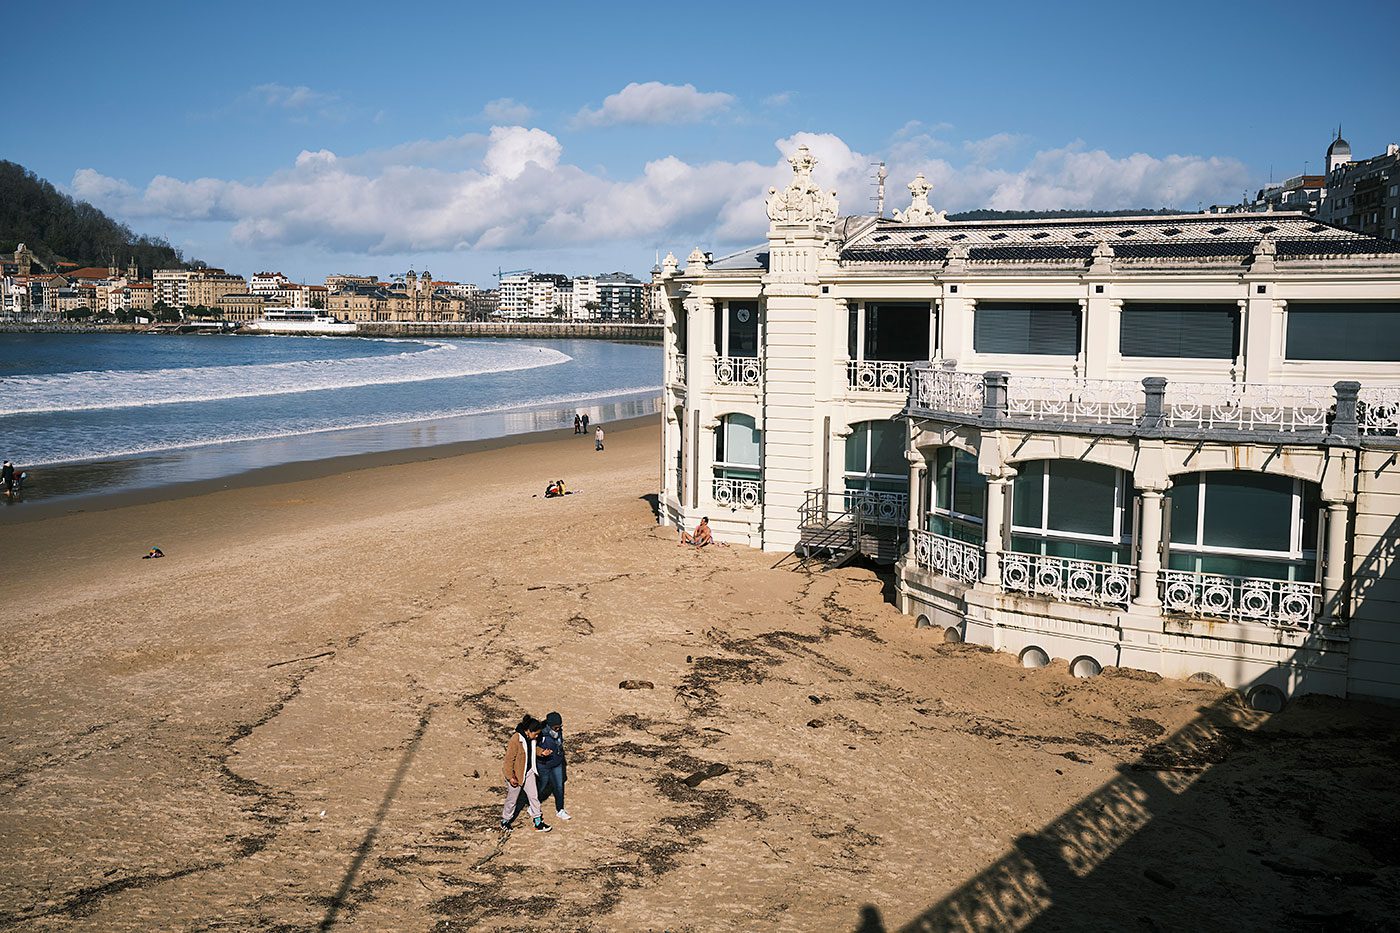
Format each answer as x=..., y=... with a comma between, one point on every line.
x=553, y=767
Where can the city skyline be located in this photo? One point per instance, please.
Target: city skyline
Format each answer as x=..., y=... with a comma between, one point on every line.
x=588, y=144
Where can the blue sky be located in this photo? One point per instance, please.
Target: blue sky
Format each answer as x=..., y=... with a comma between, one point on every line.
x=347, y=137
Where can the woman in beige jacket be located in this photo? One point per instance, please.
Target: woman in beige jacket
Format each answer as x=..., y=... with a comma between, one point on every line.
x=521, y=772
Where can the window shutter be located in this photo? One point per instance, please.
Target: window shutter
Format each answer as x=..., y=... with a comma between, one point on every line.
x=1344, y=331
x=1035, y=328
x=1195, y=331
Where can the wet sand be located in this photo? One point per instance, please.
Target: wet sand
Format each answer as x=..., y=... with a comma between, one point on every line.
x=296, y=720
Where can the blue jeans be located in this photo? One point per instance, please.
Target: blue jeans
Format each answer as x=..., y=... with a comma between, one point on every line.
x=552, y=782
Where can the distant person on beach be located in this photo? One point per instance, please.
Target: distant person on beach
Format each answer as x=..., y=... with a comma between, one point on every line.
x=552, y=771
x=555, y=489
x=598, y=438
x=585, y=422
x=702, y=536
x=521, y=771
x=7, y=478
x=578, y=423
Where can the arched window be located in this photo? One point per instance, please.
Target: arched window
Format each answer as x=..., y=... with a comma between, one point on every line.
x=1069, y=508
x=957, y=496
x=738, y=446
x=1244, y=524
x=875, y=457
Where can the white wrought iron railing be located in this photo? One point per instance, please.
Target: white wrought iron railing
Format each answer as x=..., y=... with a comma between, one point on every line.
x=1093, y=401
x=737, y=493
x=878, y=508
x=877, y=376
x=1084, y=581
x=947, y=390
x=1378, y=410
x=1240, y=599
x=678, y=368
x=948, y=556
x=1247, y=406
x=738, y=370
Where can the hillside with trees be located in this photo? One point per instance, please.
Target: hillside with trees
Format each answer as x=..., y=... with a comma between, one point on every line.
x=57, y=228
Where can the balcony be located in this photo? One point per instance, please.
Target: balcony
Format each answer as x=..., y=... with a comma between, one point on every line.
x=948, y=557
x=1069, y=579
x=877, y=376
x=738, y=371
x=1157, y=407
x=737, y=493
x=1280, y=603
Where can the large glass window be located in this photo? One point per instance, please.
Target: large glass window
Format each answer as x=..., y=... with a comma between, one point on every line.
x=892, y=332
x=1244, y=524
x=1344, y=331
x=958, y=496
x=1195, y=331
x=736, y=328
x=875, y=457
x=738, y=446
x=1035, y=328
x=1068, y=508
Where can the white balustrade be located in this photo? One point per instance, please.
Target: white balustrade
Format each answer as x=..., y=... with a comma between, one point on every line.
x=1085, y=581
x=1247, y=406
x=947, y=390
x=738, y=370
x=1091, y=401
x=1240, y=599
x=878, y=508
x=948, y=556
x=877, y=376
x=1378, y=410
x=737, y=493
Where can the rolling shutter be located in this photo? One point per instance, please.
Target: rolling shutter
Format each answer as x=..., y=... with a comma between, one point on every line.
x=1196, y=331
x=1033, y=328
x=1362, y=331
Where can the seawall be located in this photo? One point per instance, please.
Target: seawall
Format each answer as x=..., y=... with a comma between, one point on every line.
x=638, y=333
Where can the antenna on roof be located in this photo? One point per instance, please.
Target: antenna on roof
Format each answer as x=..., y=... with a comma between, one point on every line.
x=880, y=175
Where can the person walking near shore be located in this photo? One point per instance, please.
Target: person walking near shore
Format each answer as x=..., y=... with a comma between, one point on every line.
x=598, y=438
x=552, y=770
x=7, y=477
x=585, y=422
x=578, y=423
x=522, y=773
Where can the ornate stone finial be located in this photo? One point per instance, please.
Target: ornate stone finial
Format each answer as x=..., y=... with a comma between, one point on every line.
x=1264, y=254
x=696, y=262
x=802, y=201
x=1101, y=259
x=670, y=265
x=920, y=211
x=956, y=258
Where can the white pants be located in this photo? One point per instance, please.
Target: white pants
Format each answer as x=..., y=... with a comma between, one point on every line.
x=532, y=794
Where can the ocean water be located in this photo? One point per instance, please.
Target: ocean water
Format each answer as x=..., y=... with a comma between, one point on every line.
x=96, y=413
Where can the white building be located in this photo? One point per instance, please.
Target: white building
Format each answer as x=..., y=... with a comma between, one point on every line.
x=267, y=283
x=535, y=294
x=1167, y=442
x=585, y=304
x=171, y=286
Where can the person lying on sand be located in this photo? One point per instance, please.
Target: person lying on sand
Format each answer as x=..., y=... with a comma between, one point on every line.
x=702, y=536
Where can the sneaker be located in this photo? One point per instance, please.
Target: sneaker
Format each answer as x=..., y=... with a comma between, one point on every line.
x=505, y=826
x=542, y=827
x=564, y=815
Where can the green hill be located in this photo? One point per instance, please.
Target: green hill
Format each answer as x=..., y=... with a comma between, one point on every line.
x=57, y=227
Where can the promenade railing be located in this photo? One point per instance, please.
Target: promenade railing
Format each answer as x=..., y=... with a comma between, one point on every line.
x=1283, y=603
x=949, y=557
x=1067, y=578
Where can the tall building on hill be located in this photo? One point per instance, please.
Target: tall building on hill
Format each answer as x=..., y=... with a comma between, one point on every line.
x=1167, y=442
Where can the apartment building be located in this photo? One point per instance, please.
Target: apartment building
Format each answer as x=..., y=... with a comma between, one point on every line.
x=1169, y=442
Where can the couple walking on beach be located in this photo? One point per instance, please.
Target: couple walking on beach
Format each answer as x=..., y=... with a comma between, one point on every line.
x=535, y=765
x=581, y=423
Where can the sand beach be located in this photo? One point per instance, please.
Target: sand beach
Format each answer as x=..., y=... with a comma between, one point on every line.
x=296, y=720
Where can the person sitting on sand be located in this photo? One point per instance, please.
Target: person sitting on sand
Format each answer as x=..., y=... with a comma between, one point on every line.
x=702, y=536
x=521, y=772
x=152, y=553
x=554, y=489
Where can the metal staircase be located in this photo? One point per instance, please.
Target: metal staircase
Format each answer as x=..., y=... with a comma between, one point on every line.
x=837, y=526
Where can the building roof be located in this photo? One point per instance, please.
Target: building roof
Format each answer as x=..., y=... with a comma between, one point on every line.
x=1187, y=236
x=90, y=272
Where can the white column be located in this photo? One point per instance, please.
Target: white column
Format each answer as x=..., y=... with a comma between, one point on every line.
x=917, y=465
x=996, y=517
x=1334, y=571
x=1149, y=556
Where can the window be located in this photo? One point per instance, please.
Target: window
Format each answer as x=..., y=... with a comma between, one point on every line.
x=1067, y=508
x=958, y=496
x=875, y=457
x=891, y=332
x=1344, y=331
x=1244, y=524
x=738, y=446
x=736, y=328
x=1037, y=328
x=1205, y=331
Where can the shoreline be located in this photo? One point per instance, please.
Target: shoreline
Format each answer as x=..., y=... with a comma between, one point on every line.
x=21, y=513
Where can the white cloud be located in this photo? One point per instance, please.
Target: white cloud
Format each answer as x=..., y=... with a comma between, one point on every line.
x=514, y=190
x=654, y=102
x=992, y=147
x=506, y=110
x=299, y=97
x=780, y=99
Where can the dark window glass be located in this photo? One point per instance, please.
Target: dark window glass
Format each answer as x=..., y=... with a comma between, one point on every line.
x=1191, y=331
x=957, y=484
x=853, y=332
x=743, y=329
x=1082, y=497
x=897, y=333
x=1027, y=494
x=1184, y=497
x=1344, y=331
x=719, y=328
x=1248, y=510
x=887, y=447
x=1041, y=329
